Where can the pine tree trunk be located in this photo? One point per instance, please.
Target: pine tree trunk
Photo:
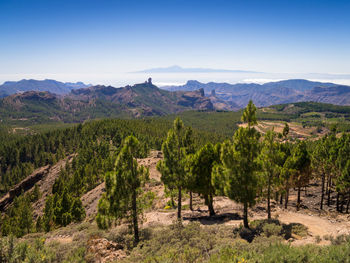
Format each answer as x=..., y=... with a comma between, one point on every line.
x=342, y=203
x=286, y=199
x=245, y=215
x=134, y=218
x=268, y=198
x=172, y=201
x=191, y=203
x=337, y=202
x=276, y=196
x=210, y=205
x=322, y=191
x=281, y=199
x=179, y=205
x=329, y=190
x=298, y=201
x=348, y=204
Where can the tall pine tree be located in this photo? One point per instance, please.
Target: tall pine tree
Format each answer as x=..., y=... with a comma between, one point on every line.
x=238, y=174
x=200, y=166
x=175, y=148
x=270, y=158
x=123, y=189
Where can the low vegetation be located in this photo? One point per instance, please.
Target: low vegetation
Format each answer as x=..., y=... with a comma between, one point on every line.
x=178, y=243
x=248, y=167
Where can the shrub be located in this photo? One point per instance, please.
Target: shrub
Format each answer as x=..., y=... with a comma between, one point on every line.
x=318, y=239
x=299, y=229
x=272, y=230
x=338, y=240
x=13, y=251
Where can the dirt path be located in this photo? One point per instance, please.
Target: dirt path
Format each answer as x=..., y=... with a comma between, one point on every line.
x=317, y=226
x=63, y=239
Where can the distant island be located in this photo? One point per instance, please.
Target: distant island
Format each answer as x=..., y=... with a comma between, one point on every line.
x=178, y=69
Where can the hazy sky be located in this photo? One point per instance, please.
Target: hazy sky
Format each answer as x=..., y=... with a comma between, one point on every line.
x=101, y=41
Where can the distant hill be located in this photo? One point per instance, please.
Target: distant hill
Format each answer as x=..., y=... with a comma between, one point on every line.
x=99, y=102
x=53, y=86
x=178, y=69
x=287, y=91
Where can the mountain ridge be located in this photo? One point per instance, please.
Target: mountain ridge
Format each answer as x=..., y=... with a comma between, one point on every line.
x=53, y=86
x=271, y=93
x=140, y=100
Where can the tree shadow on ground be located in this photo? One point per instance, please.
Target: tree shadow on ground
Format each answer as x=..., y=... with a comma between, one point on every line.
x=215, y=219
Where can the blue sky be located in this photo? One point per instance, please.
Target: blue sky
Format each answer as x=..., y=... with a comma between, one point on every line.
x=101, y=41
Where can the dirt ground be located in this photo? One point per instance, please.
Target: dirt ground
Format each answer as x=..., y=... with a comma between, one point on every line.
x=319, y=223
x=295, y=129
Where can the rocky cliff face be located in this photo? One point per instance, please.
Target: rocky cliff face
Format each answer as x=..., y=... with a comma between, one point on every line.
x=140, y=100
x=147, y=97
x=24, y=186
x=195, y=100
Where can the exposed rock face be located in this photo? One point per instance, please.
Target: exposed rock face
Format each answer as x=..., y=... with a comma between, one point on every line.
x=146, y=96
x=104, y=250
x=140, y=100
x=196, y=100
x=25, y=185
x=44, y=178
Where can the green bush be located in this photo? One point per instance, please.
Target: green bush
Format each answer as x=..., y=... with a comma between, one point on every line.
x=217, y=244
x=272, y=230
x=13, y=251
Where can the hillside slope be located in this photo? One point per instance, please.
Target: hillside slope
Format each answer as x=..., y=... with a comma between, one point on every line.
x=53, y=86
x=99, y=102
x=287, y=91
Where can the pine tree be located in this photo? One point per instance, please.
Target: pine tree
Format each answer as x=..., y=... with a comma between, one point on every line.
x=300, y=164
x=36, y=194
x=343, y=170
x=25, y=214
x=321, y=162
x=39, y=224
x=172, y=168
x=77, y=210
x=123, y=187
x=49, y=217
x=200, y=166
x=270, y=158
x=238, y=175
x=285, y=131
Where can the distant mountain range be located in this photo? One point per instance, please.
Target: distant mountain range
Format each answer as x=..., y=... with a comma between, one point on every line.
x=178, y=69
x=68, y=103
x=139, y=100
x=53, y=86
x=234, y=96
